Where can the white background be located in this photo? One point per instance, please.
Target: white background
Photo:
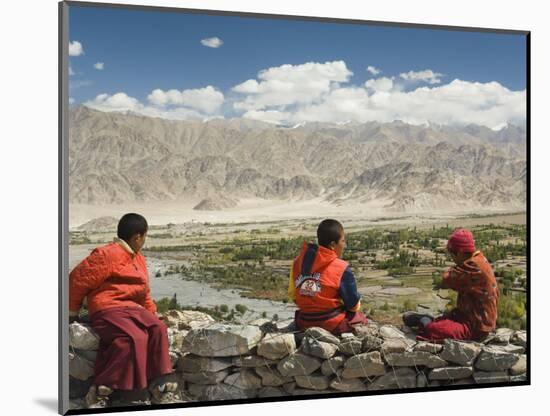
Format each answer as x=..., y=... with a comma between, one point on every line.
x=28, y=220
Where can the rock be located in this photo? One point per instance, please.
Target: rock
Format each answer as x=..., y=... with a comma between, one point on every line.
x=205, y=377
x=83, y=337
x=519, y=338
x=271, y=377
x=371, y=343
x=518, y=379
x=421, y=380
x=260, y=321
x=350, y=345
x=460, y=352
x=313, y=382
x=322, y=335
x=450, y=373
x=289, y=387
x=509, y=348
x=492, y=359
x=285, y=325
x=414, y=359
x=129, y=398
x=80, y=368
x=78, y=388
x=271, y=392
x=367, y=364
x=396, y=345
x=318, y=348
x=186, y=319
x=244, y=379
x=308, y=392
x=77, y=404
x=222, y=340
x=428, y=347
x=89, y=355
x=401, y=378
x=175, y=339
x=195, y=390
x=361, y=331
x=268, y=327
x=481, y=377
x=298, y=364
x=174, y=357
x=390, y=331
x=221, y=392
x=252, y=361
x=276, y=346
x=191, y=363
x=501, y=336
x=514, y=349
x=348, y=385
x=462, y=382
x=520, y=367
x=330, y=366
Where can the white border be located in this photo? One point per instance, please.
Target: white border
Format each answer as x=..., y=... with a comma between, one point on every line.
x=29, y=204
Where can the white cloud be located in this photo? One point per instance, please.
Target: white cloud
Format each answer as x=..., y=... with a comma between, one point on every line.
x=270, y=116
x=75, y=48
x=71, y=72
x=214, y=42
x=79, y=83
x=287, y=85
x=292, y=94
x=248, y=87
x=373, y=70
x=99, y=66
x=382, y=84
x=341, y=104
x=207, y=100
x=71, y=100
x=425, y=76
x=116, y=102
x=122, y=102
x=457, y=103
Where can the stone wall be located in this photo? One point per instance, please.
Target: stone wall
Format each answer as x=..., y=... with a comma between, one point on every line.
x=216, y=361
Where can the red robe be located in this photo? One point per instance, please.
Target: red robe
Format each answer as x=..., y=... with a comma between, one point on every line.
x=133, y=347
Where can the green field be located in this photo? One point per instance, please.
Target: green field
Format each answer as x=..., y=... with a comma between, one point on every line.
x=397, y=267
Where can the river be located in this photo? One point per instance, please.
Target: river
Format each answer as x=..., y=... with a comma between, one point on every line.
x=194, y=293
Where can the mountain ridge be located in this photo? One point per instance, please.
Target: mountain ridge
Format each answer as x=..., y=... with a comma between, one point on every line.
x=118, y=158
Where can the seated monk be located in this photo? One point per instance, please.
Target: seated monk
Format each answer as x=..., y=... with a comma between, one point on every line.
x=472, y=277
x=133, y=349
x=323, y=286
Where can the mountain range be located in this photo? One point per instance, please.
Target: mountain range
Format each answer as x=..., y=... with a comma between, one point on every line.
x=118, y=158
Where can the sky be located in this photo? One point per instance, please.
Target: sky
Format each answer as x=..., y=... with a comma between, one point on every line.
x=180, y=66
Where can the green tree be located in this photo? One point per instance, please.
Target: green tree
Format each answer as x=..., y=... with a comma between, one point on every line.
x=241, y=308
x=173, y=304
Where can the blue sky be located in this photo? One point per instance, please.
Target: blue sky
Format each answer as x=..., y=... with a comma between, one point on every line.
x=138, y=52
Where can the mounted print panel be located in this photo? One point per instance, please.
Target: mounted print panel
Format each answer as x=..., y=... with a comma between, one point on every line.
x=268, y=208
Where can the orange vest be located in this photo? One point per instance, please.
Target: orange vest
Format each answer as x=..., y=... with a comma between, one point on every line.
x=316, y=289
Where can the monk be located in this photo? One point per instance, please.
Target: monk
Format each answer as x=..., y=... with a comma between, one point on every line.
x=472, y=277
x=133, y=350
x=322, y=284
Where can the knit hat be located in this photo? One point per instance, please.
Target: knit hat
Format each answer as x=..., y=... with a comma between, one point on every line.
x=461, y=240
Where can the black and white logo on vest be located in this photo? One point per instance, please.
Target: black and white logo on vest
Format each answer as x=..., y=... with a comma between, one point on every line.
x=309, y=285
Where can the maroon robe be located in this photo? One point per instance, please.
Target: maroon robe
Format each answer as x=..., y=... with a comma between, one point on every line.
x=133, y=348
